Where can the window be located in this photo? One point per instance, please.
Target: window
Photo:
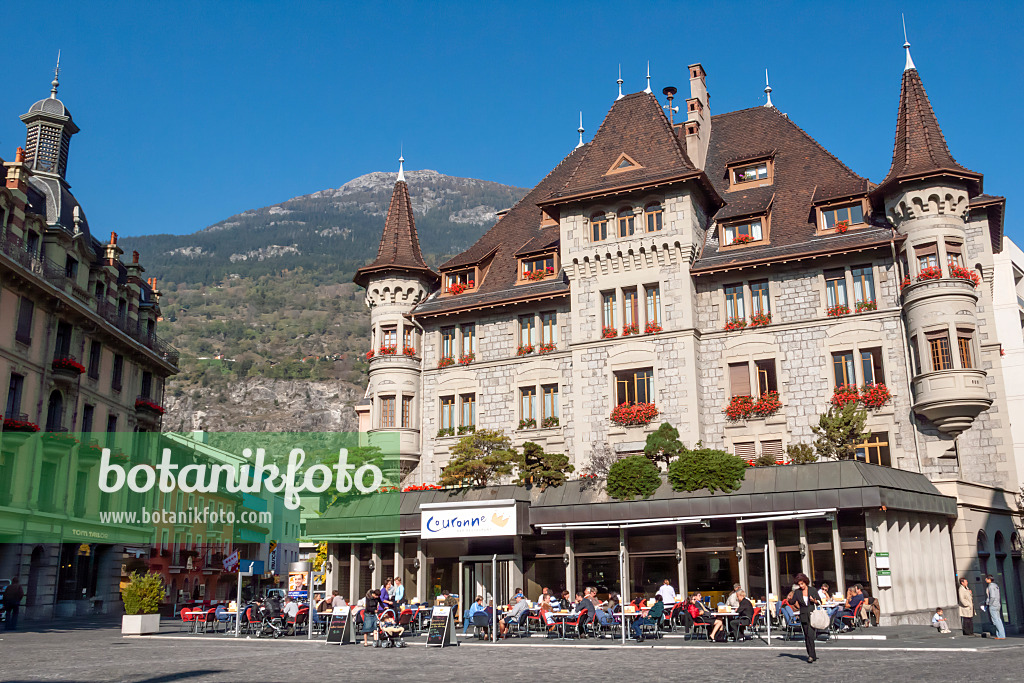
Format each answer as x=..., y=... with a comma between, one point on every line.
x=389, y=337
x=766, y=380
x=963, y=340
x=759, y=304
x=407, y=412
x=88, y=412
x=101, y=292
x=461, y=280
x=740, y=233
x=875, y=450
x=954, y=255
x=751, y=173
x=734, y=302
x=447, y=412
x=915, y=351
x=548, y=327
x=468, y=410
x=14, y=390
x=537, y=268
x=835, y=287
x=527, y=336
x=70, y=267
x=112, y=424
x=871, y=366
x=147, y=384
x=407, y=338
x=654, y=217
x=387, y=412
x=863, y=284
x=23, y=333
x=598, y=227
x=62, y=343
x=630, y=307
x=739, y=379
x=634, y=386
x=852, y=213
x=550, y=406
x=608, y=309
x=652, y=293
x=115, y=379
x=744, y=450
x=773, y=449
x=48, y=486
x=842, y=368
x=55, y=412
x=927, y=256
x=528, y=403
x=95, y=350
x=626, y=221
x=938, y=346
x=32, y=243
x=469, y=338
x=447, y=342
x=122, y=312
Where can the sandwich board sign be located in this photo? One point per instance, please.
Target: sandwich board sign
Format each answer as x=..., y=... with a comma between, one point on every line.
x=441, y=632
x=340, y=630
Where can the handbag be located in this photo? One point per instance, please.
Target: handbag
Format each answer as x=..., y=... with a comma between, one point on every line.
x=819, y=619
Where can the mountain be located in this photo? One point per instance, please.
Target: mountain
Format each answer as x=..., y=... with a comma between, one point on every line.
x=272, y=332
x=329, y=233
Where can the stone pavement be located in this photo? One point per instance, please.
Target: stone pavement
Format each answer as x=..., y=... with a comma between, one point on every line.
x=95, y=651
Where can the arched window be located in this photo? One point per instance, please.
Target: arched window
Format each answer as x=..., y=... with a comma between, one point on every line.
x=982, y=552
x=626, y=221
x=998, y=544
x=598, y=227
x=54, y=412
x=654, y=214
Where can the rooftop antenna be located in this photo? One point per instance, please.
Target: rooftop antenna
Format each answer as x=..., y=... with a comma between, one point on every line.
x=906, y=46
x=55, y=83
x=580, y=144
x=670, y=92
x=401, y=165
x=620, y=84
x=767, y=90
x=648, y=88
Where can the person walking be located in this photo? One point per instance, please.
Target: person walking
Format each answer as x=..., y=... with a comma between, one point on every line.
x=965, y=598
x=806, y=600
x=12, y=603
x=993, y=605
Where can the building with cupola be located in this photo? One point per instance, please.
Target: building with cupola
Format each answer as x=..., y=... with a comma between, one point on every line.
x=729, y=275
x=83, y=368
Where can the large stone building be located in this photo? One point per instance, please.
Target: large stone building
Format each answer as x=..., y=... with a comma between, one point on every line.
x=81, y=361
x=684, y=264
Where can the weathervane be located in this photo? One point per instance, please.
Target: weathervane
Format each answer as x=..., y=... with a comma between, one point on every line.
x=767, y=90
x=648, y=88
x=906, y=46
x=620, y=84
x=401, y=165
x=580, y=144
x=55, y=83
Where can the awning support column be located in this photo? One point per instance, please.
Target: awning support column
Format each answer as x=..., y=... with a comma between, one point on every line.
x=570, y=565
x=353, y=573
x=625, y=566
x=837, y=553
x=422, y=591
x=744, y=561
x=375, y=575
x=681, y=558
x=805, y=551
x=773, y=560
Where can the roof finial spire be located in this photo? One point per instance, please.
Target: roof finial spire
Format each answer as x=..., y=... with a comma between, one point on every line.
x=620, y=84
x=767, y=90
x=648, y=88
x=56, y=82
x=906, y=46
x=401, y=165
x=580, y=144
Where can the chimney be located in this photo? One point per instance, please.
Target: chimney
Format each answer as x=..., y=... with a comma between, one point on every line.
x=17, y=178
x=112, y=253
x=135, y=268
x=698, y=117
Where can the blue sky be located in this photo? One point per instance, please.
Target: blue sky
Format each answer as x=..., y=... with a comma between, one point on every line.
x=191, y=112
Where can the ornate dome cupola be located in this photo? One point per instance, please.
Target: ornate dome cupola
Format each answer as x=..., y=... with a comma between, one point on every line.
x=50, y=128
x=925, y=196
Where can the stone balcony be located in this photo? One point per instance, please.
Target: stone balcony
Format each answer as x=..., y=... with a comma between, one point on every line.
x=919, y=291
x=951, y=399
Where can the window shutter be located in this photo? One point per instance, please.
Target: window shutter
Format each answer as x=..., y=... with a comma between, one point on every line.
x=773, y=449
x=745, y=450
x=925, y=250
x=739, y=379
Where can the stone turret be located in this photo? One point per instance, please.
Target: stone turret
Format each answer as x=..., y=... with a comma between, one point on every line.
x=395, y=282
x=925, y=196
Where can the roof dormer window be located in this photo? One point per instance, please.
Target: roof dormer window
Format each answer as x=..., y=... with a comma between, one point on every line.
x=841, y=218
x=459, y=281
x=750, y=173
x=752, y=230
x=537, y=268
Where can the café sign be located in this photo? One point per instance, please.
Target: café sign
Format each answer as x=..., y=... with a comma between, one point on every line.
x=466, y=520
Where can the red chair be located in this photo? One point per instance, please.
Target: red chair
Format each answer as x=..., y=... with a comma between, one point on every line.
x=405, y=620
x=187, y=619
x=205, y=619
x=580, y=624
x=296, y=622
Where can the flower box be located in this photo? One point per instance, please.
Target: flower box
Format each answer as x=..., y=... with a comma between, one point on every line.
x=962, y=273
x=460, y=287
x=905, y=283
x=387, y=350
x=445, y=431
x=735, y=324
x=609, y=333
x=445, y=362
x=930, y=273
x=842, y=226
x=422, y=487
x=467, y=358
x=540, y=274
x=652, y=328
x=874, y=395
x=528, y=423
x=767, y=404
x=634, y=414
x=845, y=393
x=742, y=239
x=633, y=328
x=838, y=311
x=549, y=422
x=369, y=354
x=140, y=624
x=409, y=351
x=739, y=408
x=761, y=320
x=14, y=425
x=524, y=350
x=67, y=364
x=866, y=306
x=467, y=429
x=151, y=406
x=59, y=439
x=545, y=348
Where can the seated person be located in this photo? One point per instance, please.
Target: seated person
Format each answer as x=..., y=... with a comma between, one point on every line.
x=851, y=606
x=939, y=621
x=823, y=594
x=291, y=609
x=477, y=606
x=744, y=615
x=545, y=615
x=515, y=615
x=654, y=615
x=389, y=625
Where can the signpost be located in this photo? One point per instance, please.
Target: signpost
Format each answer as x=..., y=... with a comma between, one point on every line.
x=245, y=568
x=441, y=632
x=883, y=574
x=340, y=630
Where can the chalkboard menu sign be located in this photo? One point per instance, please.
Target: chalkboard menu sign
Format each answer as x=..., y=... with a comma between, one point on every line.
x=340, y=630
x=441, y=631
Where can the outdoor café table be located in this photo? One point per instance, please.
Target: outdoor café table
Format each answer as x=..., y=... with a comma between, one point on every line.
x=193, y=624
x=559, y=619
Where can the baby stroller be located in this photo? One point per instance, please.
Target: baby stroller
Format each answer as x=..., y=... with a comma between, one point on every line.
x=389, y=633
x=269, y=621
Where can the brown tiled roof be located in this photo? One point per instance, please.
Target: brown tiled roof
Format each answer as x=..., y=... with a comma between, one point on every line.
x=399, y=244
x=635, y=126
x=801, y=166
x=547, y=239
x=920, y=148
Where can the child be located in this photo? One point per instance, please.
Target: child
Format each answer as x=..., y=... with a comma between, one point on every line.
x=939, y=621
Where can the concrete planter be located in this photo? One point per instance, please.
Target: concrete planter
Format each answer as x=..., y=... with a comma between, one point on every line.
x=140, y=624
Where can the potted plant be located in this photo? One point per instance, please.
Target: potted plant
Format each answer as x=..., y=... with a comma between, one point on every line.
x=446, y=361
x=524, y=350
x=962, y=273
x=739, y=408
x=842, y=226
x=652, y=328
x=631, y=328
x=409, y=351
x=545, y=348
x=838, y=311
x=867, y=305
x=735, y=324
x=608, y=332
x=761, y=320
x=141, y=596
x=845, y=393
x=467, y=358
x=930, y=273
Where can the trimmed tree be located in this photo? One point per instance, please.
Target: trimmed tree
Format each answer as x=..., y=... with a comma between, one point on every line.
x=479, y=459
x=663, y=445
x=839, y=430
x=800, y=454
x=706, y=468
x=143, y=593
x=537, y=468
x=631, y=477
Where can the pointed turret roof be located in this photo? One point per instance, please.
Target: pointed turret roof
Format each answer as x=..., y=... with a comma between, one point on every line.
x=399, y=249
x=920, y=148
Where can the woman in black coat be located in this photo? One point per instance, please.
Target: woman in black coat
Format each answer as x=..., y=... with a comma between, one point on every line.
x=805, y=599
